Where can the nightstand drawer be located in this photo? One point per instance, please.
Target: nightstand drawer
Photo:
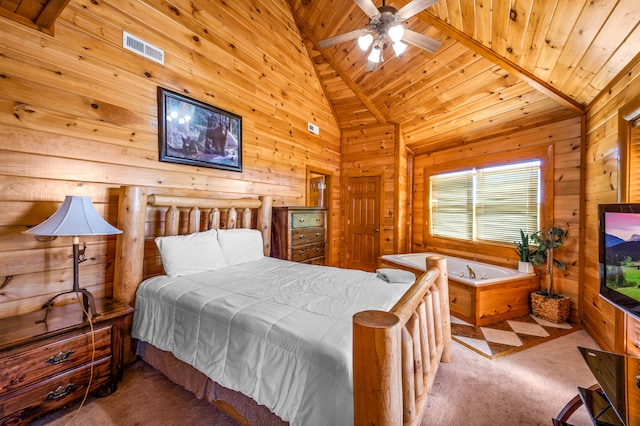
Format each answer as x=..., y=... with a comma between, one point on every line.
x=300, y=254
x=307, y=219
x=39, y=361
x=53, y=393
x=307, y=236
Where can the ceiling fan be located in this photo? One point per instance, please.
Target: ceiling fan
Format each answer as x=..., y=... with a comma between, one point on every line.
x=386, y=22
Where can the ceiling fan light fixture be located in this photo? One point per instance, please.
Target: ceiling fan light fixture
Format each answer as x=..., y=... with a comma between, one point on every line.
x=364, y=41
x=396, y=33
x=376, y=54
x=399, y=47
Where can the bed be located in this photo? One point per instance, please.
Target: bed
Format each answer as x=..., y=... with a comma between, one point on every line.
x=380, y=353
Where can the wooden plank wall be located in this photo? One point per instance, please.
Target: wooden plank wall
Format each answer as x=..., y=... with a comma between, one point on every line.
x=601, y=186
x=564, y=136
x=377, y=150
x=78, y=116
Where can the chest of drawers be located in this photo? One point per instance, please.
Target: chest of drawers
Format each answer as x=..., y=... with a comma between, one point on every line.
x=299, y=234
x=46, y=366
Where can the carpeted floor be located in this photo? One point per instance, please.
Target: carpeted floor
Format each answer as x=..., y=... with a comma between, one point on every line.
x=526, y=388
x=509, y=336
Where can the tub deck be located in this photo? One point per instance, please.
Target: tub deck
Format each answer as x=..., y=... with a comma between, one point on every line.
x=484, y=304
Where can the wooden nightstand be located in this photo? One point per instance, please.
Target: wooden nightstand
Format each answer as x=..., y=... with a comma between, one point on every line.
x=46, y=366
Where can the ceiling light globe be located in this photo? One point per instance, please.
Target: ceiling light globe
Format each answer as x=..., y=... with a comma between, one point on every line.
x=399, y=47
x=364, y=41
x=396, y=33
x=374, y=56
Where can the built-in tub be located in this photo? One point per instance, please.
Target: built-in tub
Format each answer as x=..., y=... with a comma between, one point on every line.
x=495, y=294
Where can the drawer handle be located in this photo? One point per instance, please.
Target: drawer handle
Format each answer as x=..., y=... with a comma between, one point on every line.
x=301, y=237
x=318, y=249
x=301, y=253
x=318, y=234
x=301, y=220
x=60, y=392
x=61, y=357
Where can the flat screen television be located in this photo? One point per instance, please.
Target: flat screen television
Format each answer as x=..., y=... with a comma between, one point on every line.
x=619, y=246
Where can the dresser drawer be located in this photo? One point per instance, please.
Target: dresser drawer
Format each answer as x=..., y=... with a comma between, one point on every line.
x=31, y=401
x=307, y=219
x=300, y=254
x=307, y=236
x=34, y=363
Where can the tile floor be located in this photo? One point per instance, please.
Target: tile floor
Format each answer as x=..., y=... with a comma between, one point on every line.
x=508, y=336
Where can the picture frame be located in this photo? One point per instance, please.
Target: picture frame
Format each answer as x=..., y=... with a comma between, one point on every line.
x=197, y=134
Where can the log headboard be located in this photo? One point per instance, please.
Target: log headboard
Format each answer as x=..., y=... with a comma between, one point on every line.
x=142, y=216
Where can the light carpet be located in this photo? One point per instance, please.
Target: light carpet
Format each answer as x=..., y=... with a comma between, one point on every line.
x=527, y=388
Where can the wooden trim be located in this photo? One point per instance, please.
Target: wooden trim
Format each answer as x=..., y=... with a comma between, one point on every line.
x=329, y=194
x=582, y=209
x=627, y=114
x=308, y=32
x=545, y=153
x=502, y=62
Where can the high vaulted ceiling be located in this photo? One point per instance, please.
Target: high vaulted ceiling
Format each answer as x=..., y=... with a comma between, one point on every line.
x=503, y=64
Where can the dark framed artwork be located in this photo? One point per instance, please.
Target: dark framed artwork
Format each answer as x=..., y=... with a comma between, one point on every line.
x=192, y=132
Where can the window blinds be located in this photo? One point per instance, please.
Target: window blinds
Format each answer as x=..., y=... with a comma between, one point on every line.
x=490, y=204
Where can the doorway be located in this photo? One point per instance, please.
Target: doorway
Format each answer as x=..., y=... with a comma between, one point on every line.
x=364, y=201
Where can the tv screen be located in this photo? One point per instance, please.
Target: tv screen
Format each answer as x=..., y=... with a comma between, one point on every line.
x=620, y=255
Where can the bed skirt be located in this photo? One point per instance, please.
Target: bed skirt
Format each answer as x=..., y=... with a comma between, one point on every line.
x=235, y=404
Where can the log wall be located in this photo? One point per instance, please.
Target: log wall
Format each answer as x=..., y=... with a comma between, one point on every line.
x=78, y=116
x=602, y=185
x=564, y=139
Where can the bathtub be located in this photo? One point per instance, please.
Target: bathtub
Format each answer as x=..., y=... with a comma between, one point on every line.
x=495, y=294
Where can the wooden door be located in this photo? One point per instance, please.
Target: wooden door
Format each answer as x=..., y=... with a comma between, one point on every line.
x=363, y=222
x=317, y=192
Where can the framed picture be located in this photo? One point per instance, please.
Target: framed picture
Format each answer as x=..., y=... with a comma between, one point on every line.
x=192, y=132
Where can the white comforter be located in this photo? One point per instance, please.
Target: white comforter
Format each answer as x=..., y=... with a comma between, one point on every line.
x=277, y=331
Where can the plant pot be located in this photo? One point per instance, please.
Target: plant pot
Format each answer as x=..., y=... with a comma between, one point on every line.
x=553, y=309
x=525, y=267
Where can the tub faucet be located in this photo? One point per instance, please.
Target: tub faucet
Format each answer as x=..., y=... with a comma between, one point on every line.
x=472, y=273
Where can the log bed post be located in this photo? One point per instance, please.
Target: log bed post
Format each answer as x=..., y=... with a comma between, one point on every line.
x=396, y=353
x=377, y=369
x=132, y=210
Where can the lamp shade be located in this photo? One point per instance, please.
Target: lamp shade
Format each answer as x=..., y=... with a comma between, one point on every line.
x=76, y=216
x=396, y=32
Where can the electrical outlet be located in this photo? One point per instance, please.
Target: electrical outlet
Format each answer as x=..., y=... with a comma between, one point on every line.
x=313, y=128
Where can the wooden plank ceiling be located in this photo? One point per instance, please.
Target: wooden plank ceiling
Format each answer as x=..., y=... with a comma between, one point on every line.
x=503, y=64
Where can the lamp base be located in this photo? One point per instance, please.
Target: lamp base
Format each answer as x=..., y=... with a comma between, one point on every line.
x=88, y=304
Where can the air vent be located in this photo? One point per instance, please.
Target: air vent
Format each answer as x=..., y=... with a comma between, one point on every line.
x=143, y=48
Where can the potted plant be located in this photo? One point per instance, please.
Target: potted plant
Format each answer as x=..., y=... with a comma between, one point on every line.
x=523, y=250
x=546, y=304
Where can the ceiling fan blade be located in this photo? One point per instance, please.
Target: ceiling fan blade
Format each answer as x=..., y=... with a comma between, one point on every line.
x=416, y=6
x=367, y=7
x=423, y=42
x=341, y=38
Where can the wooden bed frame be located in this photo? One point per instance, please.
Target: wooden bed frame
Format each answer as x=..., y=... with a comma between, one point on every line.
x=396, y=353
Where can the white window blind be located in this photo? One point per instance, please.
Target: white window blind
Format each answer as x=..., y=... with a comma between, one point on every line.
x=490, y=204
x=452, y=205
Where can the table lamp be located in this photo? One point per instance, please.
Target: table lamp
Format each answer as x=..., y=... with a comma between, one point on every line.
x=76, y=217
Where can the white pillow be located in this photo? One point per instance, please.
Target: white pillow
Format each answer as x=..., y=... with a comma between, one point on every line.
x=190, y=254
x=240, y=245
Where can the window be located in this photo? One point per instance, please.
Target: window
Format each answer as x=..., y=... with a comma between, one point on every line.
x=488, y=204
